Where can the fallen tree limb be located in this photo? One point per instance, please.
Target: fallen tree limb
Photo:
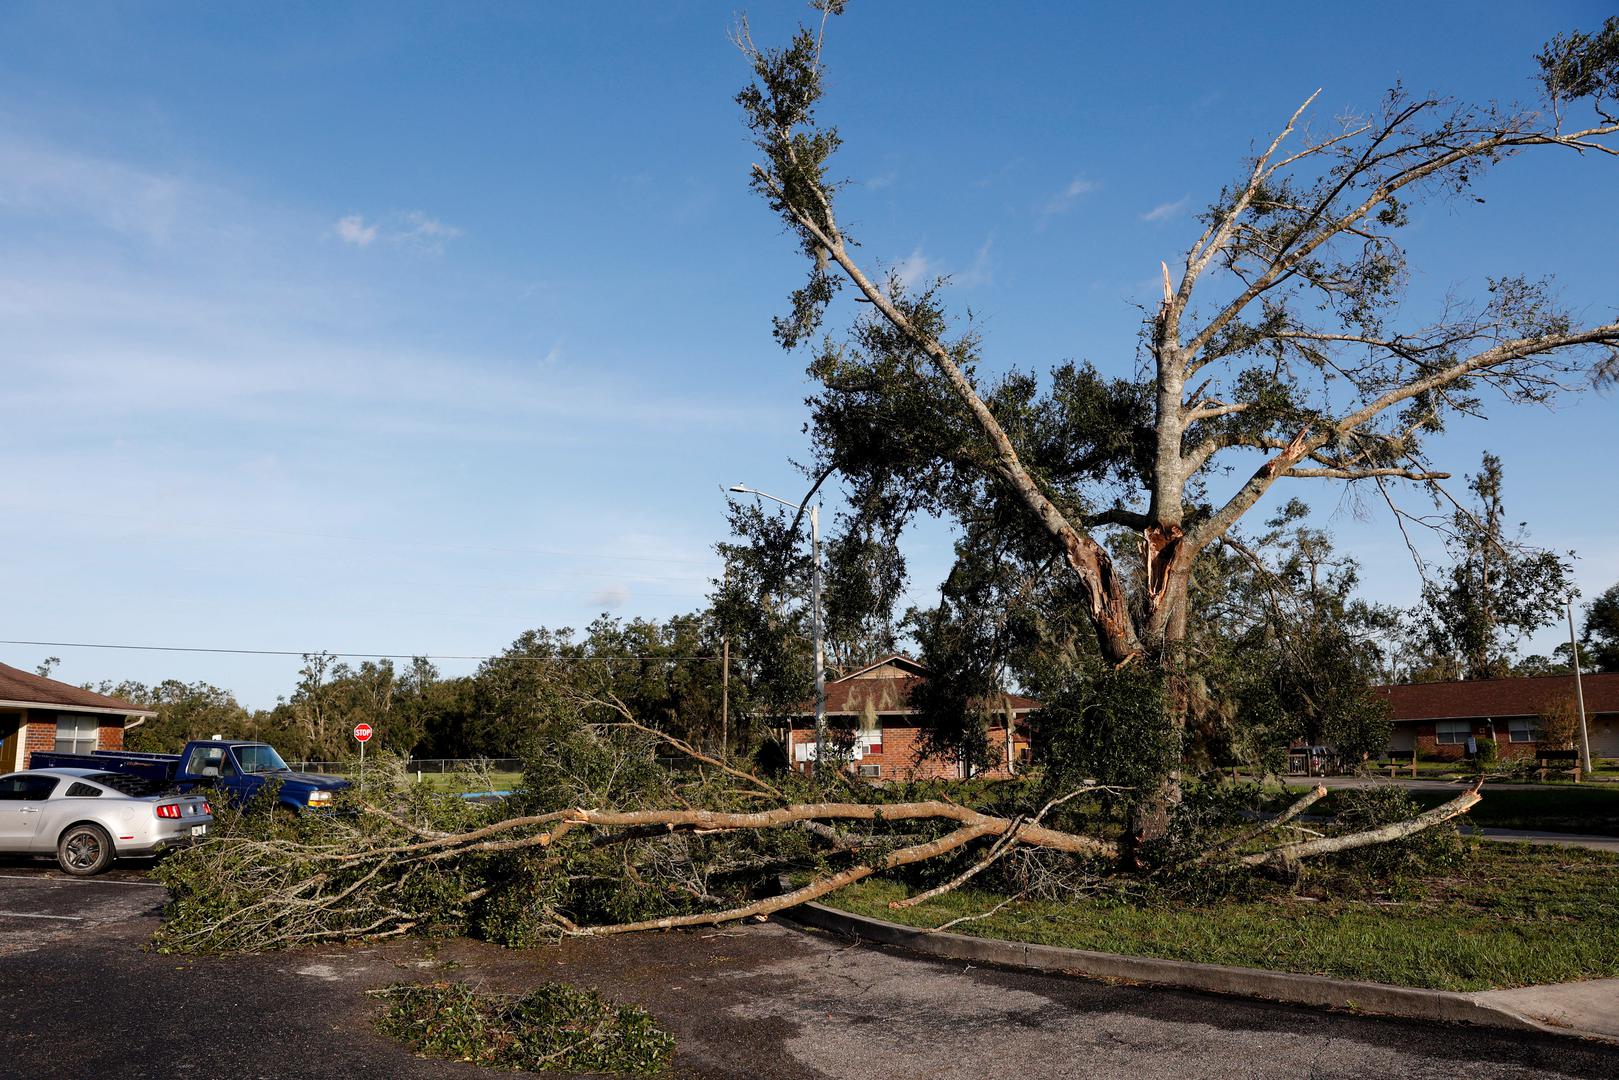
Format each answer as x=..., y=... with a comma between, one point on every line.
x=1028, y=833
x=1311, y=797
x=684, y=747
x=1399, y=830
x=1001, y=846
x=812, y=891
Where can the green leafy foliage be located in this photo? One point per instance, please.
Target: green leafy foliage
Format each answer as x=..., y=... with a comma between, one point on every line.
x=1497, y=589
x=555, y=1026
x=1110, y=726
x=1600, y=633
x=1381, y=867
x=1283, y=650
x=1580, y=65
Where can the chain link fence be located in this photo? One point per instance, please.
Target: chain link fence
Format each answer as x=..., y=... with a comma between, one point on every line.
x=421, y=768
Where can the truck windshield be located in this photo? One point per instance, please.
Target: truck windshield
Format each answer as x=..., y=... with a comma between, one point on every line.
x=258, y=758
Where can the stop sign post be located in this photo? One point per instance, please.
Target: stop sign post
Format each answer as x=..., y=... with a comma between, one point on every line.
x=362, y=735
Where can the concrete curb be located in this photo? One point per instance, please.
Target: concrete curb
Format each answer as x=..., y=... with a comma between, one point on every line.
x=1317, y=991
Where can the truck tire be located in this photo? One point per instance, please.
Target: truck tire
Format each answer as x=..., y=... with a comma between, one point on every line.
x=84, y=850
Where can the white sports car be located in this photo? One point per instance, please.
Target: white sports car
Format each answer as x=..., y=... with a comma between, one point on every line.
x=88, y=818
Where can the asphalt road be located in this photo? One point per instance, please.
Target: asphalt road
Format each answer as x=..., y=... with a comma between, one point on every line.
x=81, y=997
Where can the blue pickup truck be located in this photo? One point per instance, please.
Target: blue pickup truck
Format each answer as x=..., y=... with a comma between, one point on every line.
x=236, y=770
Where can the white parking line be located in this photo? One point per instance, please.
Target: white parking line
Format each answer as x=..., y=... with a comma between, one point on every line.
x=79, y=881
x=27, y=915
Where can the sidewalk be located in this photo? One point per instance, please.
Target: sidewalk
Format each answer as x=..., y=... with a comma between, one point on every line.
x=1536, y=836
x=1589, y=1008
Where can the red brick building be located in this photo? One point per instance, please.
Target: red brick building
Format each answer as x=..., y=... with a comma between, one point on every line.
x=37, y=713
x=873, y=707
x=1436, y=719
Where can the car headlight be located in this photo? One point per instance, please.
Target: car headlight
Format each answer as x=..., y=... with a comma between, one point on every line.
x=320, y=798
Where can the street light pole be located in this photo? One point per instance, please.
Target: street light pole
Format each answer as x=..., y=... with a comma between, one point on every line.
x=815, y=610
x=1579, y=693
x=820, y=642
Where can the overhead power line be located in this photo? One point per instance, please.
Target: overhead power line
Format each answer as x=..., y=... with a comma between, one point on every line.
x=351, y=655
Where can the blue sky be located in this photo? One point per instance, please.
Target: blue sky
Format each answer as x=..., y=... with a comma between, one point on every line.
x=404, y=328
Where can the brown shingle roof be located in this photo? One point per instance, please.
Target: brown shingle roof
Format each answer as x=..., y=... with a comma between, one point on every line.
x=25, y=688
x=888, y=693
x=1499, y=697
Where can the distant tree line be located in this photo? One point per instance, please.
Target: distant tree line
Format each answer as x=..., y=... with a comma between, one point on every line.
x=668, y=672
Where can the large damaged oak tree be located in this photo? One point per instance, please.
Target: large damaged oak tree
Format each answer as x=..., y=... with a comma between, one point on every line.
x=1282, y=350
x=1274, y=340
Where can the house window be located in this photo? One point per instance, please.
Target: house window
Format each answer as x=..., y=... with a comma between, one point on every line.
x=1452, y=732
x=871, y=771
x=76, y=733
x=1526, y=729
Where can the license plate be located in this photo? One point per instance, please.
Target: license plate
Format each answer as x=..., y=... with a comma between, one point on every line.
x=199, y=830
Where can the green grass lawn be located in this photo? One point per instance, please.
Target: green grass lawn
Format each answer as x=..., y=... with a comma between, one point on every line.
x=1515, y=915
x=458, y=782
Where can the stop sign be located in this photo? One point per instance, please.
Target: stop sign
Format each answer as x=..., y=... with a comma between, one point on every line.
x=362, y=732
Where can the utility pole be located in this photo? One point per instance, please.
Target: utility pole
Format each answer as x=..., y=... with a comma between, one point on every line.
x=820, y=643
x=815, y=605
x=725, y=696
x=1579, y=693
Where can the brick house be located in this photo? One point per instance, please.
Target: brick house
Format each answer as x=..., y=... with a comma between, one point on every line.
x=873, y=707
x=37, y=713
x=1436, y=719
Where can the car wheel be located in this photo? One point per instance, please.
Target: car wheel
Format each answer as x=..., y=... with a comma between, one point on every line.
x=84, y=850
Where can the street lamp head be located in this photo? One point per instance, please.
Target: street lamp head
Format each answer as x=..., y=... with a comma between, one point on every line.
x=739, y=487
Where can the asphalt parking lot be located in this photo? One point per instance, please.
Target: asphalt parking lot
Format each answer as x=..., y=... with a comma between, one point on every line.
x=82, y=996
x=39, y=904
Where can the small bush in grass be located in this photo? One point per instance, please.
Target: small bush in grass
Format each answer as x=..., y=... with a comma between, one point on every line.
x=554, y=1027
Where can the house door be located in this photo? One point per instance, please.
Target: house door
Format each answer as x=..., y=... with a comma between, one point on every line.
x=10, y=736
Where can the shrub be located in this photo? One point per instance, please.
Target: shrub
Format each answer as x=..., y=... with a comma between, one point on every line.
x=554, y=1027
x=1559, y=723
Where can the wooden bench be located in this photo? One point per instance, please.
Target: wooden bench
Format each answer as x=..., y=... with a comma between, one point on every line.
x=1397, y=760
x=1559, y=760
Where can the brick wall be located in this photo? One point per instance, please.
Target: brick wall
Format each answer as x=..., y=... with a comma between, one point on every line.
x=40, y=736
x=111, y=736
x=899, y=761
x=1429, y=747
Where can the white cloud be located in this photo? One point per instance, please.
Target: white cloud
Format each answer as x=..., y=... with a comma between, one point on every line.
x=1167, y=211
x=354, y=230
x=882, y=180
x=1077, y=188
x=913, y=268
x=425, y=231
x=412, y=228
